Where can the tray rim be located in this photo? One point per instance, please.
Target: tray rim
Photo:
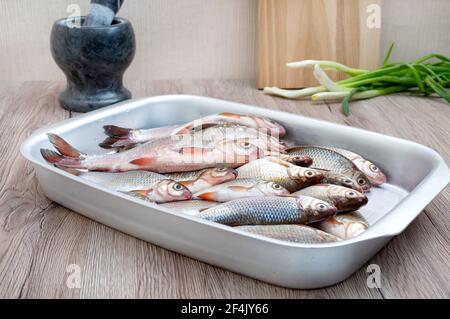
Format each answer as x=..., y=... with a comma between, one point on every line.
x=441, y=173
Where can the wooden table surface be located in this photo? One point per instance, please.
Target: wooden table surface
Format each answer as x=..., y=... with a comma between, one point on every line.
x=40, y=239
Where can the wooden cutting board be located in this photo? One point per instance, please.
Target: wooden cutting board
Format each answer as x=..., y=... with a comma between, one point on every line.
x=294, y=30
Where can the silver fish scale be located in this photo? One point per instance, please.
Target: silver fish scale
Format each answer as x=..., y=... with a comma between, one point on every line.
x=186, y=176
x=325, y=159
x=247, y=182
x=255, y=211
x=291, y=233
x=268, y=171
x=124, y=182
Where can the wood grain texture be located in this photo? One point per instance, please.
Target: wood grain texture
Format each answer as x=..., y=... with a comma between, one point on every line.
x=190, y=39
x=40, y=239
x=296, y=30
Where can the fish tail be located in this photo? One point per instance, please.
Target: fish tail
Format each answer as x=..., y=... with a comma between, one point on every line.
x=63, y=147
x=61, y=161
x=118, y=137
x=117, y=142
x=68, y=156
x=116, y=131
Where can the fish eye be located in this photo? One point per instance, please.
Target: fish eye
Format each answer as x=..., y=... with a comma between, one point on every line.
x=322, y=207
x=221, y=169
x=361, y=181
x=351, y=194
x=309, y=173
x=277, y=186
x=245, y=145
x=374, y=168
x=177, y=187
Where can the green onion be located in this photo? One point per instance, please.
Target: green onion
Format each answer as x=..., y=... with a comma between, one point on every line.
x=428, y=75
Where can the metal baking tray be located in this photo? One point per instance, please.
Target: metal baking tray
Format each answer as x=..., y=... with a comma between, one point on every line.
x=416, y=174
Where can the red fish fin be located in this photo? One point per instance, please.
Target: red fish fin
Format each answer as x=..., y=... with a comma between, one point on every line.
x=51, y=156
x=109, y=142
x=59, y=160
x=115, y=142
x=144, y=161
x=63, y=147
x=116, y=131
x=239, y=188
x=207, y=196
x=141, y=192
x=228, y=114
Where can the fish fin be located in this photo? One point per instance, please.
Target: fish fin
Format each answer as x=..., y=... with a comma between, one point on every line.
x=123, y=144
x=228, y=114
x=116, y=131
x=280, y=162
x=63, y=147
x=51, y=156
x=110, y=142
x=207, y=196
x=239, y=188
x=144, y=161
x=61, y=161
x=141, y=194
x=72, y=171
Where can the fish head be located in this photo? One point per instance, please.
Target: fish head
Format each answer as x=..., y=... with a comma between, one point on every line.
x=299, y=160
x=164, y=191
x=315, y=209
x=239, y=151
x=272, y=189
x=344, y=181
x=305, y=176
x=372, y=172
x=346, y=199
x=219, y=175
x=363, y=182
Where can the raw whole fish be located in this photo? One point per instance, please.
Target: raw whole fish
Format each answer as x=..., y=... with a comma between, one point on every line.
x=125, y=137
x=168, y=158
x=292, y=233
x=269, y=210
x=150, y=186
x=372, y=172
x=344, y=226
x=327, y=159
x=343, y=198
x=241, y=188
x=283, y=173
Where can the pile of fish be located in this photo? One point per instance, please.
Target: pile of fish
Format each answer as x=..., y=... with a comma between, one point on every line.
x=235, y=170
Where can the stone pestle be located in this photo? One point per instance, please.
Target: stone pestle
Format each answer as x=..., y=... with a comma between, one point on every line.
x=102, y=12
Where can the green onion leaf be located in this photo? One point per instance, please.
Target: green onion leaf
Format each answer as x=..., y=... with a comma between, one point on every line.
x=388, y=55
x=346, y=102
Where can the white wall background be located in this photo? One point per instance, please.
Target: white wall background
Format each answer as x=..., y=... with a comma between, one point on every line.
x=196, y=38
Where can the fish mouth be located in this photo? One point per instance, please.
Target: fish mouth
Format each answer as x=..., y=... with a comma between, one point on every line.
x=379, y=180
x=363, y=200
